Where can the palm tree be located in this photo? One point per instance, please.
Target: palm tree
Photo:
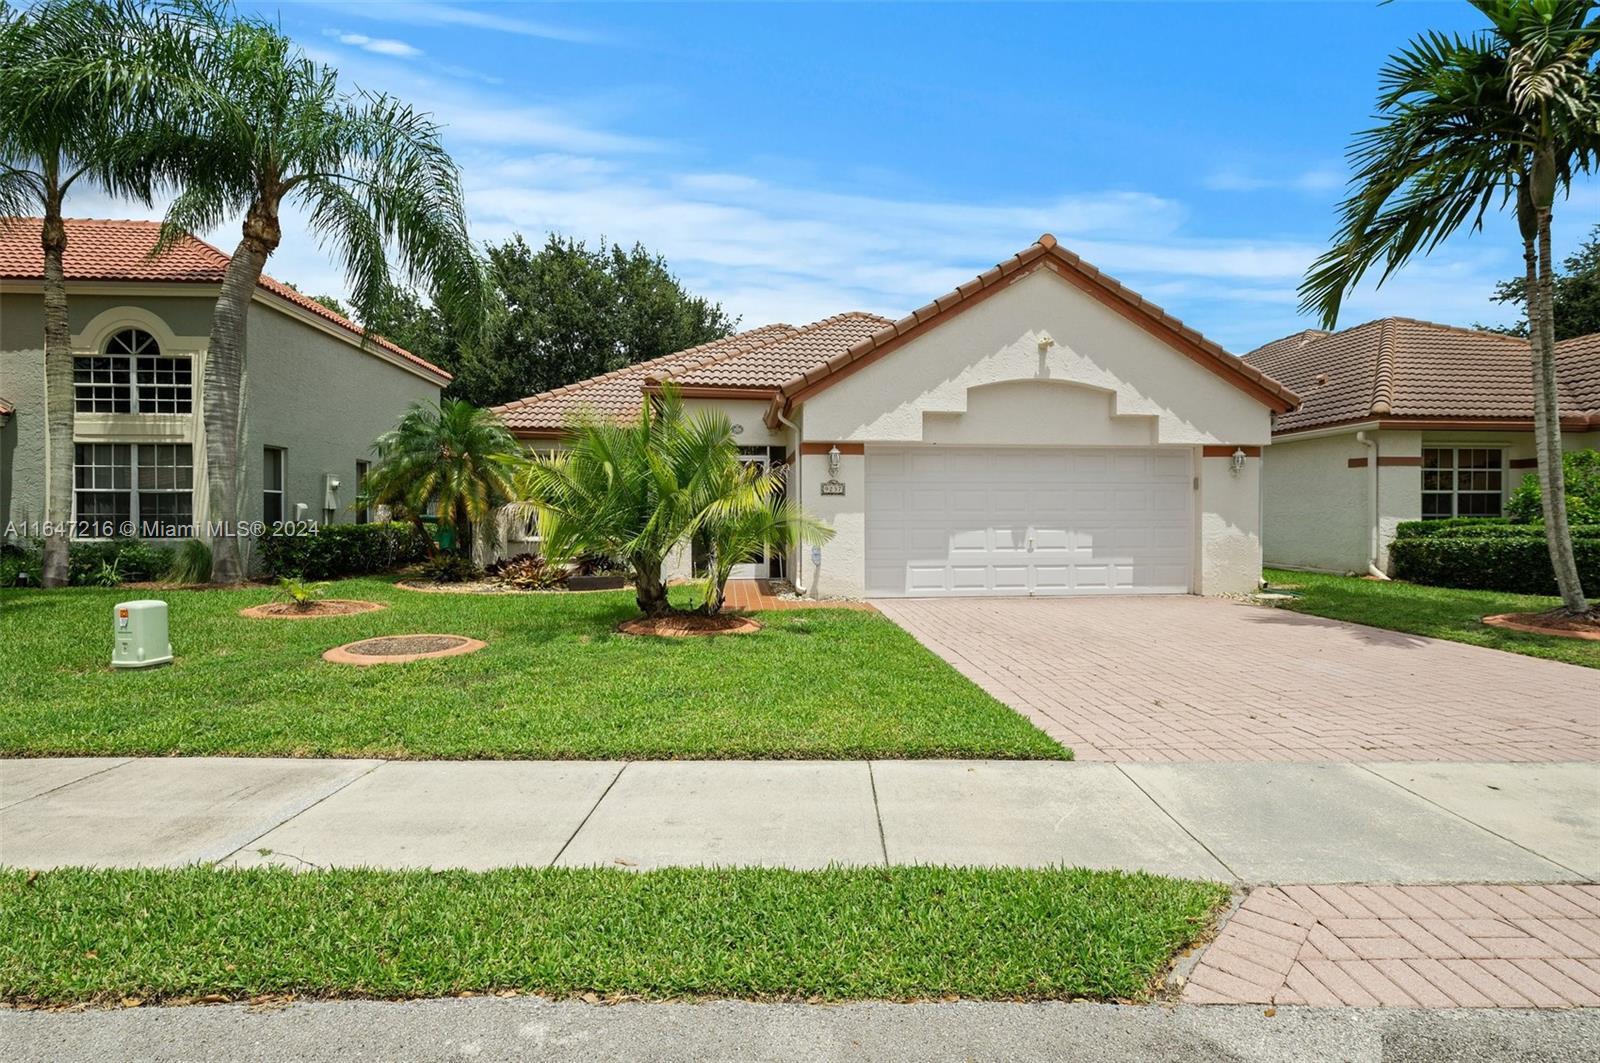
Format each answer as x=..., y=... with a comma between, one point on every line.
x=267, y=127
x=640, y=490
x=75, y=75
x=454, y=458
x=1468, y=124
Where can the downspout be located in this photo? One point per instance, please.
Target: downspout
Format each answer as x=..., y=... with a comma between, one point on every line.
x=1372, y=502
x=799, y=460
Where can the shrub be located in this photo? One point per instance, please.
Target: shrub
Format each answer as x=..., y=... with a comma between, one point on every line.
x=191, y=563
x=528, y=572
x=108, y=562
x=337, y=550
x=1483, y=528
x=301, y=594
x=450, y=568
x=1580, y=471
x=1498, y=562
x=21, y=563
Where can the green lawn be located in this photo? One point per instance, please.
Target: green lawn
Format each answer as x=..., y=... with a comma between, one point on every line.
x=555, y=682
x=1437, y=611
x=897, y=933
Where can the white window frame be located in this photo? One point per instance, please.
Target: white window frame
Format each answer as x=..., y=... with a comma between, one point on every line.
x=280, y=490
x=134, y=492
x=140, y=354
x=1455, y=470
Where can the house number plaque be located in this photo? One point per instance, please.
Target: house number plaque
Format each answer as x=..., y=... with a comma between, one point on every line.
x=833, y=487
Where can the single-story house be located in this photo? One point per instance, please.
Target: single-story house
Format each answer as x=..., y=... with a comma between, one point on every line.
x=1405, y=420
x=1041, y=430
x=317, y=392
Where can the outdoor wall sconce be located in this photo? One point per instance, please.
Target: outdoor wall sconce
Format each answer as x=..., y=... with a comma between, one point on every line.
x=1238, y=461
x=833, y=460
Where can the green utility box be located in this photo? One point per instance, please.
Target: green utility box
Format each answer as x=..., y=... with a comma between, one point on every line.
x=139, y=631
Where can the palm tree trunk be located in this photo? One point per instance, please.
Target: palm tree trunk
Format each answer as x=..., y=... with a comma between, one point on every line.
x=223, y=390
x=59, y=401
x=649, y=591
x=1540, y=294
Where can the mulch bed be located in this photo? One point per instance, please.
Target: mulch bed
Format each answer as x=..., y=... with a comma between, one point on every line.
x=688, y=625
x=1556, y=622
x=485, y=587
x=324, y=607
x=398, y=649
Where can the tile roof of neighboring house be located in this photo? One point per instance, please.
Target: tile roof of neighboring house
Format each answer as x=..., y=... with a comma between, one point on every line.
x=782, y=361
x=114, y=250
x=620, y=392
x=1400, y=368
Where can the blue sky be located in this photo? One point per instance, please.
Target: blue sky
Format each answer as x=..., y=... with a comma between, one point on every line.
x=796, y=161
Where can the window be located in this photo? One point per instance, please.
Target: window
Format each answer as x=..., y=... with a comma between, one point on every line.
x=363, y=515
x=1461, y=482
x=132, y=375
x=272, y=485
x=144, y=489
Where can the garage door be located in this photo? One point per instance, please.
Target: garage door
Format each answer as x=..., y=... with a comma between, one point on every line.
x=990, y=520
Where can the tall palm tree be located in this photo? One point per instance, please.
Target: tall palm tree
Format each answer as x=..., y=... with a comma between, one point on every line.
x=266, y=127
x=1469, y=124
x=75, y=77
x=453, y=458
x=640, y=490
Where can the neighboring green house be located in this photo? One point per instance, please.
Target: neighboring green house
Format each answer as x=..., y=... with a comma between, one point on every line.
x=316, y=395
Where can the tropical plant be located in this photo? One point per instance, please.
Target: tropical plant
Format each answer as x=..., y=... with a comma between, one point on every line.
x=450, y=568
x=1469, y=124
x=301, y=595
x=76, y=79
x=637, y=491
x=528, y=572
x=265, y=127
x=191, y=563
x=1580, y=475
x=454, y=459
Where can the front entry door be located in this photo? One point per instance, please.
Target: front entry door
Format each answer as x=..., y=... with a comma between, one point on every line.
x=758, y=565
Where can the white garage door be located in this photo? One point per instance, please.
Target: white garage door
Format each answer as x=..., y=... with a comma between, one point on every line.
x=991, y=520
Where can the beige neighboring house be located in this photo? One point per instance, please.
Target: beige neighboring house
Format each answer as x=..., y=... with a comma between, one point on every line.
x=316, y=393
x=1041, y=430
x=1405, y=420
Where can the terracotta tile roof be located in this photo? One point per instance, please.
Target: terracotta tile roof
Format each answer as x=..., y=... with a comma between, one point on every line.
x=619, y=393
x=1046, y=253
x=1399, y=367
x=6, y=408
x=770, y=363
x=116, y=250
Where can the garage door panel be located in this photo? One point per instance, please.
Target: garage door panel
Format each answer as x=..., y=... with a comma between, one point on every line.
x=975, y=520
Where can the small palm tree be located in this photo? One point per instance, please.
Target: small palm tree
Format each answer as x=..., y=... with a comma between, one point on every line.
x=638, y=491
x=262, y=126
x=1469, y=124
x=75, y=78
x=453, y=458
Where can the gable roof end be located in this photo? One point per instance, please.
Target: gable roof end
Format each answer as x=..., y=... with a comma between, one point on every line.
x=1045, y=253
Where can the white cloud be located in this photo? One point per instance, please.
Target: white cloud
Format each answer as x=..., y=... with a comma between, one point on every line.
x=376, y=45
x=1238, y=179
x=441, y=14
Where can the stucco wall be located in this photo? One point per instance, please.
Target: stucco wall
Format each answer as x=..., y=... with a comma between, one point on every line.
x=1315, y=505
x=324, y=402
x=981, y=378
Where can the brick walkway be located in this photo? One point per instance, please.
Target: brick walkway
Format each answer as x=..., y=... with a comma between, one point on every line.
x=753, y=594
x=1202, y=679
x=1407, y=946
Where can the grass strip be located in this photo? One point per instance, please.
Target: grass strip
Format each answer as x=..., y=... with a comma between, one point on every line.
x=900, y=933
x=1438, y=612
x=556, y=682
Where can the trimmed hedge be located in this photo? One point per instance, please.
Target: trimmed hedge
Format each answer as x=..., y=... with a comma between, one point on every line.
x=1483, y=527
x=1496, y=558
x=334, y=551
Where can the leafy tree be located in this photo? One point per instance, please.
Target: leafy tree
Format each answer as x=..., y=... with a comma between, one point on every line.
x=75, y=77
x=638, y=491
x=1470, y=123
x=571, y=312
x=1577, y=293
x=454, y=458
x=261, y=126
x=1581, y=483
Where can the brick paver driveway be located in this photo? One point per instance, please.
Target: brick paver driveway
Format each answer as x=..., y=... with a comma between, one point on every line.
x=1198, y=679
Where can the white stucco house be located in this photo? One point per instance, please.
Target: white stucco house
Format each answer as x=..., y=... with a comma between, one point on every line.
x=1405, y=420
x=1041, y=430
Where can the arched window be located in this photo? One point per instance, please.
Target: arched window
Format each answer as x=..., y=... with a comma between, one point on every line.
x=133, y=376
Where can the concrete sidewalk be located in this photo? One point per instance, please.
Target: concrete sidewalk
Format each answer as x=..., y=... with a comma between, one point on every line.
x=1254, y=823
